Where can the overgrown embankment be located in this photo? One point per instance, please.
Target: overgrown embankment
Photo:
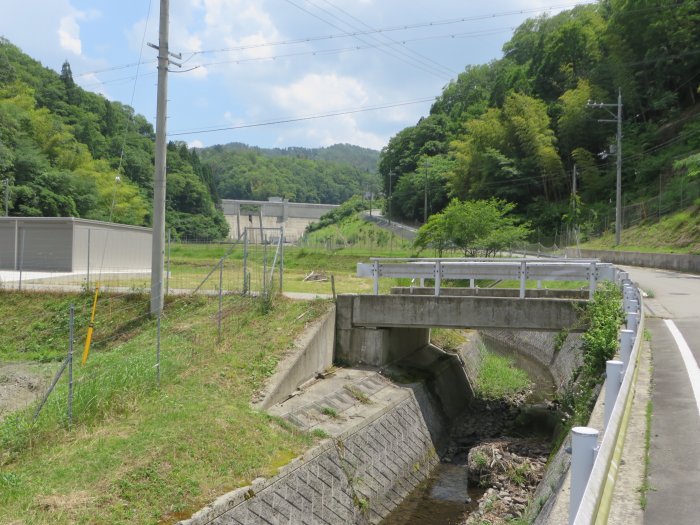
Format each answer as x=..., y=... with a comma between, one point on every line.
x=677, y=233
x=136, y=452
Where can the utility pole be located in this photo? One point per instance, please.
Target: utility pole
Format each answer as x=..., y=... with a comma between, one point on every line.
x=425, y=195
x=391, y=174
x=618, y=188
x=573, y=203
x=159, y=181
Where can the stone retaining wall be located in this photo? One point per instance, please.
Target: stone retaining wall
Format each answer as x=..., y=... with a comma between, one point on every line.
x=358, y=478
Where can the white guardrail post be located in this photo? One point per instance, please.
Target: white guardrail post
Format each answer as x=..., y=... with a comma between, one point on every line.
x=626, y=342
x=592, y=280
x=375, y=274
x=613, y=381
x=523, y=278
x=584, y=441
x=438, y=277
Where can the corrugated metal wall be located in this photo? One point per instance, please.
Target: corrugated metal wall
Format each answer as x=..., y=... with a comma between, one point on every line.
x=112, y=247
x=61, y=245
x=38, y=245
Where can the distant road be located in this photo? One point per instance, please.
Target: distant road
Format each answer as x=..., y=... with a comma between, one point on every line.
x=673, y=313
x=403, y=231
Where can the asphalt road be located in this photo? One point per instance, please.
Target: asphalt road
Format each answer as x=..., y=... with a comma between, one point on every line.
x=674, y=467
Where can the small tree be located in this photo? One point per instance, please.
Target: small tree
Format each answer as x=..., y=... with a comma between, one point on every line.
x=479, y=227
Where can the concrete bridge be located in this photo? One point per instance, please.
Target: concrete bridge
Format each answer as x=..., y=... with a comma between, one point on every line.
x=379, y=329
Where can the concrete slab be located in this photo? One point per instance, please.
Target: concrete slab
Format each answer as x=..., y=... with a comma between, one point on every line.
x=340, y=401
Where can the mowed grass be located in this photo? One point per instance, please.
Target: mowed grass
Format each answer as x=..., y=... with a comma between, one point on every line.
x=139, y=453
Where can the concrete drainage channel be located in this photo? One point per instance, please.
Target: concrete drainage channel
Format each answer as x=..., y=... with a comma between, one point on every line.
x=388, y=429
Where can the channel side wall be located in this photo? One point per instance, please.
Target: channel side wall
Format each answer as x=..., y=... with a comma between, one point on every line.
x=357, y=478
x=680, y=262
x=312, y=354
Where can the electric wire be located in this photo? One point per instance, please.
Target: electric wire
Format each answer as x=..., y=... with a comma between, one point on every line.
x=403, y=27
x=300, y=119
x=404, y=50
x=427, y=69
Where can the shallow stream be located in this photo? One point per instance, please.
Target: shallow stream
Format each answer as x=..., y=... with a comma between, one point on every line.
x=446, y=498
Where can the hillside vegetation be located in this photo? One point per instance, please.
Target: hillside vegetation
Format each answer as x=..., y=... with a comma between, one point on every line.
x=69, y=152
x=515, y=128
x=677, y=233
x=324, y=175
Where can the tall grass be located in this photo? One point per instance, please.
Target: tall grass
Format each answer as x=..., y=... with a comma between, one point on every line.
x=499, y=378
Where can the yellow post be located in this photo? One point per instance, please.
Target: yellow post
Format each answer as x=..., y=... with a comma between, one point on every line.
x=91, y=326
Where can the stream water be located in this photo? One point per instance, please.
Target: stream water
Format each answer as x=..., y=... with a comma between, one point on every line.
x=446, y=498
x=441, y=499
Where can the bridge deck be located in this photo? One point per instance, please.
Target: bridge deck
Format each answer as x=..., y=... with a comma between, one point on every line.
x=415, y=311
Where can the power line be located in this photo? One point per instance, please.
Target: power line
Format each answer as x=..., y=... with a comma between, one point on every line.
x=389, y=29
x=406, y=51
x=427, y=69
x=404, y=27
x=351, y=49
x=299, y=119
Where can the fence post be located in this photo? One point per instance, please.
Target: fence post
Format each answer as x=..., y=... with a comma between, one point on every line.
x=221, y=284
x=167, y=272
x=523, y=278
x=70, y=366
x=613, y=371
x=245, y=261
x=87, y=281
x=21, y=257
x=281, y=258
x=584, y=441
x=158, y=350
x=264, y=280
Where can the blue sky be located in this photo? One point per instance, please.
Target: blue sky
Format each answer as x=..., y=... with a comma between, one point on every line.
x=234, y=77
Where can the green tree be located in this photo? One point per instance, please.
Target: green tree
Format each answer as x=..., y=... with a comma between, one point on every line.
x=477, y=227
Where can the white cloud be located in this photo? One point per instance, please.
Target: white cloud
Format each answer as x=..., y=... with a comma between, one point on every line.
x=316, y=93
x=335, y=130
x=195, y=144
x=69, y=33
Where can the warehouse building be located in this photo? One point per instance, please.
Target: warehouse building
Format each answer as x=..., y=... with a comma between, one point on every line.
x=67, y=244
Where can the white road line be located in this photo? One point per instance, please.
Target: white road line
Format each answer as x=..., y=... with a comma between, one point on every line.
x=691, y=365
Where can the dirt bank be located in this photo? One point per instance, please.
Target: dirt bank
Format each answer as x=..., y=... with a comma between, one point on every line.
x=20, y=384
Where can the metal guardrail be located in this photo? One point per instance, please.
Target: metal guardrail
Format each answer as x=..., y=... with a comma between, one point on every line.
x=594, y=466
x=520, y=269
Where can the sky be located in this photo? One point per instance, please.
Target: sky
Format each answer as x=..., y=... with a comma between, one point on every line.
x=273, y=73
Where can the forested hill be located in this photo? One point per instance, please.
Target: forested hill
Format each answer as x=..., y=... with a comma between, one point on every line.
x=364, y=159
x=70, y=152
x=322, y=175
x=515, y=128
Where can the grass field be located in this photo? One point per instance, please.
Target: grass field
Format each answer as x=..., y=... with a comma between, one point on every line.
x=137, y=453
